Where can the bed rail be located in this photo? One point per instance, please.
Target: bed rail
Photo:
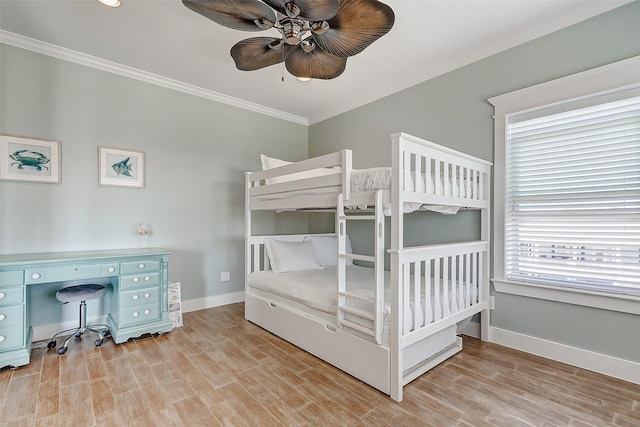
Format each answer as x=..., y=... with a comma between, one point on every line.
x=330, y=171
x=429, y=173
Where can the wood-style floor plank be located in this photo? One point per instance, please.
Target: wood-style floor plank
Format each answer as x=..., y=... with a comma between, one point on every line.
x=220, y=370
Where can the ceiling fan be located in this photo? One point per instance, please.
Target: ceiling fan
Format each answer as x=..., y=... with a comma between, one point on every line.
x=317, y=36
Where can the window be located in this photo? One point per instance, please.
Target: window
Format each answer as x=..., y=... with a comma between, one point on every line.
x=572, y=196
x=567, y=189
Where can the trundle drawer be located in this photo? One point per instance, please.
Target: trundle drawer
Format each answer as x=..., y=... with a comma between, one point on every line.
x=140, y=297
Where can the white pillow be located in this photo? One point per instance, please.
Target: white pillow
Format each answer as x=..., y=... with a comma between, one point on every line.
x=270, y=162
x=291, y=256
x=326, y=248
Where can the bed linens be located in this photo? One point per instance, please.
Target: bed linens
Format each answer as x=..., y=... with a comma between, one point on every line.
x=318, y=290
x=379, y=178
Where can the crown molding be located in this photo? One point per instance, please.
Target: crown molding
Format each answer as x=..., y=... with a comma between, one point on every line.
x=48, y=49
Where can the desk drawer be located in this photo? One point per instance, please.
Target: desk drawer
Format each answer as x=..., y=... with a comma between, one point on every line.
x=11, y=296
x=142, y=314
x=137, y=267
x=140, y=297
x=11, y=278
x=11, y=316
x=11, y=337
x=71, y=272
x=139, y=280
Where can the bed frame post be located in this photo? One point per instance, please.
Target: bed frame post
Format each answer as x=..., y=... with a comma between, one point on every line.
x=346, y=174
x=397, y=220
x=485, y=235
x=247, y=230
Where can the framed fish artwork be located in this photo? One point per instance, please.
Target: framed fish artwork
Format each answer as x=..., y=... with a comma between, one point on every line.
x=120, y=168
x=29, y=160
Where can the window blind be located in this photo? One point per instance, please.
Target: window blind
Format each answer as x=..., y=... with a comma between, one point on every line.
x=572, y=214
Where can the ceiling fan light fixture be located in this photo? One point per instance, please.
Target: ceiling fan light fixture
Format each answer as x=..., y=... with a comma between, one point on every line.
x=316, y=36
x=110, y=3
x=292, y=30
x=308, y=45
x=319, y=27
x=304, y=79
x=292, y=9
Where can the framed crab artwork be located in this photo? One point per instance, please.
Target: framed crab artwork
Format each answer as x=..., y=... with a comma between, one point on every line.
x=29, y=159
x=121, y=168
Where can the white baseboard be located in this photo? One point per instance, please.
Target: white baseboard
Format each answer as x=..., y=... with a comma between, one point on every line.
x=211, y=301
x=45, y=332
x=592, y=361
x=472, y=330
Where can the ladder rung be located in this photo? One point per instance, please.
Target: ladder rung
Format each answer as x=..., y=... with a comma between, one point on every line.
x=357, y=327
x=356, y=296
x=357, y=217
x=369, y=258
x=357, y=312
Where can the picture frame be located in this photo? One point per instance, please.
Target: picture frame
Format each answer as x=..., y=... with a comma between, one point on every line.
x=29, y=159
x=121, y=168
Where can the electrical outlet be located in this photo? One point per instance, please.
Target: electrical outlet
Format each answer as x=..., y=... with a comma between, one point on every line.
x=225, y=276
x=492, y=303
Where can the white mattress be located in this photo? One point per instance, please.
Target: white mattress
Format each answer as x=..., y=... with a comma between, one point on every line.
x=373, y=179
x=318, y=289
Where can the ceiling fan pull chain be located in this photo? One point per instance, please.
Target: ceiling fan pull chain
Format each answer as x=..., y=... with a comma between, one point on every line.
x=282, y=66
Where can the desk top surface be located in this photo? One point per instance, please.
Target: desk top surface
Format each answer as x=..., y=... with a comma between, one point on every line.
x=30, y=258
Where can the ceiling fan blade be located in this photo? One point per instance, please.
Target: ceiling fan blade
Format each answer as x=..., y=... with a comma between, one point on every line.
x=312, y=10
x=357, y=24
x=316, y=64
x=236, y=14
x=255, y=53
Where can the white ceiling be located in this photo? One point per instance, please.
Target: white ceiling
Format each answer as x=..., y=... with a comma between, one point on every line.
x=164, y=38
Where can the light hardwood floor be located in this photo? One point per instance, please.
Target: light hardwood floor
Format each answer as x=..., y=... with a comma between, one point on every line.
x=222, y=370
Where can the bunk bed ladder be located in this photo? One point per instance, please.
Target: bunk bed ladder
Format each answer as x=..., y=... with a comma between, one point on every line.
x=355, y=311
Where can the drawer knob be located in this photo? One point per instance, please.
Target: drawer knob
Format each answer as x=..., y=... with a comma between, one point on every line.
x=147, y=311
x=112, y=269
x=147, y=295
x=140, y=266
x=147, y=278
x=135, y=297
x=136, y=279
x=36, y=276
x=2, y=317
x=136, y=314
x=2, y=295
x=2, y=338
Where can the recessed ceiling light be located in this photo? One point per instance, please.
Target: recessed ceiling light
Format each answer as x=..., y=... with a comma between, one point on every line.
x=110, y=3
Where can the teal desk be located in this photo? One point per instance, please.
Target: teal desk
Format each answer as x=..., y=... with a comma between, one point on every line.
x=137, y=298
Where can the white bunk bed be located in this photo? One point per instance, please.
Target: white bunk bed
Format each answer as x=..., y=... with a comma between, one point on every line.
x=399, y=324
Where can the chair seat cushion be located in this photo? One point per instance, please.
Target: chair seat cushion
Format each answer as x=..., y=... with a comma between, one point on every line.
x=80, y=293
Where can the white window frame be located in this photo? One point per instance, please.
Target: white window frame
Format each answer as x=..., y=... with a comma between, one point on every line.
x=616, y=76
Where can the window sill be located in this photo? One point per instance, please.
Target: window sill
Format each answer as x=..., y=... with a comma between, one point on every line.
x=607, y=301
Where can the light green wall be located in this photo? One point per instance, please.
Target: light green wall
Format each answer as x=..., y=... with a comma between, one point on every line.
x=196, y=153
x=452, y=110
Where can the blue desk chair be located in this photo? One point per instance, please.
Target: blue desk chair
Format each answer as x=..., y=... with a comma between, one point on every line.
x=81, y=293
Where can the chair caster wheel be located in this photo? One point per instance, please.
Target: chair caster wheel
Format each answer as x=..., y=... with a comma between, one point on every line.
x=51, y=344
x=62, y=350
x=98, y=343
x=78, y=334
